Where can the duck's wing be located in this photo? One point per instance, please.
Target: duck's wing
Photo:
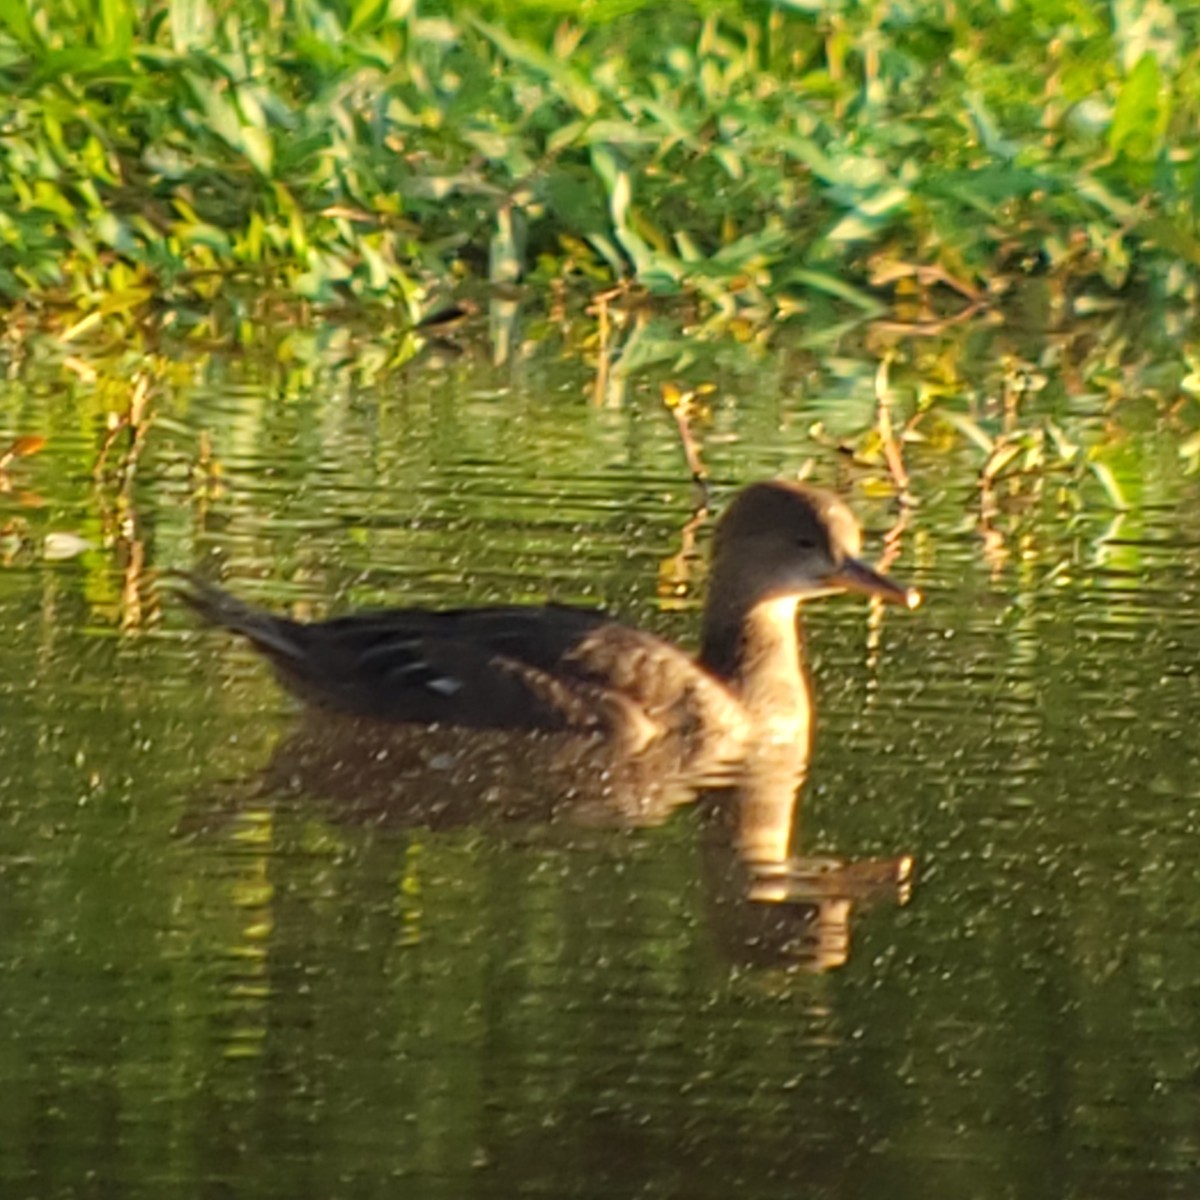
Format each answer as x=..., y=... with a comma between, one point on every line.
x=674, y=693
x=550, y=668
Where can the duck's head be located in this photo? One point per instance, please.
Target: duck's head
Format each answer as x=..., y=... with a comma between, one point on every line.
x=781, y=541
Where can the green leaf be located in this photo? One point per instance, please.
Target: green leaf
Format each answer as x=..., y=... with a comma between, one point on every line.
x=573, y=87
x=1174, y=237
x=191, y=23
x=868, y=216
x=257, y=146
x=14, y=16
x=839, y=288
x=1140, y=118
x=366, y=14
x=1092, y=189
x=1108, y=481
x=972, y=429
x=116, y=26
x=986, y=128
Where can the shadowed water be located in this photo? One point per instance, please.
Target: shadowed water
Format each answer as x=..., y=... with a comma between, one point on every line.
x=231, y=965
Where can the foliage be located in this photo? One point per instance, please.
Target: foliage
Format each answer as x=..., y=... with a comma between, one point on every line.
x=750, y=155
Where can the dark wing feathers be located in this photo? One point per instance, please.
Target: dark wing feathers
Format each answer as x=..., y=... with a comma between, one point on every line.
x=496, y=667
x=551, y=668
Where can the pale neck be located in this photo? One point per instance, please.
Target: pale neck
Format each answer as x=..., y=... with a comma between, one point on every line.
x=756, y=650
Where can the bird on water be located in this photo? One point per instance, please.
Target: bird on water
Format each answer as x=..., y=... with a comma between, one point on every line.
x=556, y=668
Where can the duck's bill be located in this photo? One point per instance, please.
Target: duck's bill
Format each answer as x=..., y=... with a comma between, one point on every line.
x=855, y=576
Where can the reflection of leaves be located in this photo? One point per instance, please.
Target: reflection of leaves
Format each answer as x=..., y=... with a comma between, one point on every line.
x=21, y=447
x=1112, y=488
x=57, y=547
x=1190, y=452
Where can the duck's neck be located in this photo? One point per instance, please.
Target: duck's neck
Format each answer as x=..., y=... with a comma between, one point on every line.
x=757, y=651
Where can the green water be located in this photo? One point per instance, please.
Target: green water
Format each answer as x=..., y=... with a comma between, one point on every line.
x=213, y=984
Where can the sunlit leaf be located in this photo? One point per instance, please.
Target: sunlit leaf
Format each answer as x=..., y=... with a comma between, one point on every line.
x=14, y=15
x=986, y=128
x=1092, y=189
x=124, y=301
x=1140, y=117
x=1108, y=481
x=191, y=23
x=365, y=14
x=833, y=286
x=116, y=26
x=973, y=430
x=580, y=94
x=1000, y=457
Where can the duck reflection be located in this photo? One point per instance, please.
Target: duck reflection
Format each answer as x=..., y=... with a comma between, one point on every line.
x=561, y=715
x=769, y=904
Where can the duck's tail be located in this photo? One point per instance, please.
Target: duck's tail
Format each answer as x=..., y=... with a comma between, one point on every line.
x=273, y=635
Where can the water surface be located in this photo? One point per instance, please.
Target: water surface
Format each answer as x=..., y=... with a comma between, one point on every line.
x=213, y=984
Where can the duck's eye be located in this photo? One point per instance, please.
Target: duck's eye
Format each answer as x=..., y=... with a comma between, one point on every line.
x=805, y=543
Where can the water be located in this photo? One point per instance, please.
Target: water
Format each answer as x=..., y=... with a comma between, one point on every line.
x=214, y=981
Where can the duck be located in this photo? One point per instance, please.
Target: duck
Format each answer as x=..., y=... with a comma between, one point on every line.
x=560, y=669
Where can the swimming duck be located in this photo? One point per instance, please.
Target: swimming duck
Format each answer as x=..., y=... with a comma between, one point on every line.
x=566, y=669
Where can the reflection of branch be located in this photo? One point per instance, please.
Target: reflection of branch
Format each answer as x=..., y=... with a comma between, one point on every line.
x=893, y=538
x=135, y=420
x=892, y=543
x=122, y=517
x=994, y=549
x=132, y=614
x=675, y=571
x=891, y=447
x=681, y=405
x=599, y=308
x=122, y=527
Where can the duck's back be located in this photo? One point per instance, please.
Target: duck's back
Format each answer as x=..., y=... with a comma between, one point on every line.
x=552, y=668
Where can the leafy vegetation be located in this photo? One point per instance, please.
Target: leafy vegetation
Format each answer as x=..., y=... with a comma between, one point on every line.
x=156, y=158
